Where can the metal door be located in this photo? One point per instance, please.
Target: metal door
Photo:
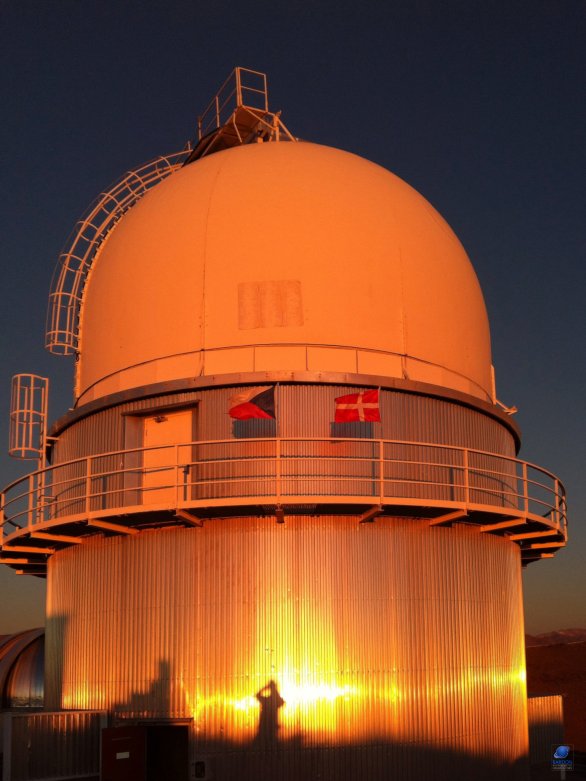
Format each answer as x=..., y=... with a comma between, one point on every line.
x=163, y=470
x=124, y=756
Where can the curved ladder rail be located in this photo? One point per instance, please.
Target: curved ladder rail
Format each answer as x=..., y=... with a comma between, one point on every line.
x=62, y=330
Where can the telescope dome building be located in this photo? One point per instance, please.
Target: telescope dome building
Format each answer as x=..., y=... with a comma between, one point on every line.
x=283, y=525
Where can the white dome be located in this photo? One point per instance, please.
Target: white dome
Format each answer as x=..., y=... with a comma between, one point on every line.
x=282, y=257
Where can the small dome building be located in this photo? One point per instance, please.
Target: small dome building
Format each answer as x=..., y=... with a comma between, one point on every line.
x=285, y=521
x=21, y=670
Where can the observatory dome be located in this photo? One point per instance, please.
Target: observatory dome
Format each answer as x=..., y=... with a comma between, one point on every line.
x=282, y=258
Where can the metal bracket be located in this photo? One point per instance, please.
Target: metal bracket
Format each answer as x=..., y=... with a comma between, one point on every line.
x=14, y=561
x=189, y=518
x=111, y=527
x=510, y=524
x=371, y=514
x=538, y=545
x=448, y=518
x=533, y=535
x=56, y=537
x=27, y=549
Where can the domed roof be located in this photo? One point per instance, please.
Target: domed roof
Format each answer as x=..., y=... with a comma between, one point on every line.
x=282, y=257
x=22, y=659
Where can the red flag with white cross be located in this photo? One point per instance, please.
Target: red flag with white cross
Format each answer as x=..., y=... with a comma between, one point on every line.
x=361, y=406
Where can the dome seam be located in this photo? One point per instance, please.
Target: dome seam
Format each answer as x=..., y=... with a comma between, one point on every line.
x=403, y=319
x=204, y=266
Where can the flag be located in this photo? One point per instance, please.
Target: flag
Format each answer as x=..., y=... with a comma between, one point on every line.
x=252, y=403
x=357, y=406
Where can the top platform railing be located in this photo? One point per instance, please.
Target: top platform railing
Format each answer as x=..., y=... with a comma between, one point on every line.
x=243, y=88
x=439, y=482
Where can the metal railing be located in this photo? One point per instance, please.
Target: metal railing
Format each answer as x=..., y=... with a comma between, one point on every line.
x=288, y=471
x=90, y=231
x=243, y=87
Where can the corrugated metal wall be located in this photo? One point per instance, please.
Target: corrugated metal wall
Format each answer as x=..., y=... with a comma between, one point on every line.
x=316, y=648
x=302, y=411
x=104, y=431
x=546, y=726
x=53, y=746
x=320, y=468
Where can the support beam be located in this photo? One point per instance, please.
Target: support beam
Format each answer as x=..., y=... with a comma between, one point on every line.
x=189, y=518
x=13, y=561
x=448, y=518
x=111, y=527
x=536, y=545
x=371, y=514
x=57, y=537
x=27, y=549
x=510, y=524
x=37, y=571
x=533, y=535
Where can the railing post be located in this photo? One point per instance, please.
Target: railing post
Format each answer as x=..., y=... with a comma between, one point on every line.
x=238, y=88
x=381, y=473
x=278, y=469
x=2, y=517
x=466, y=466
x=176, y=472
x=557, y=502
x=525, y=490
x=563, y=508
x=31, y=501
x=41, y=499
x=88, y=484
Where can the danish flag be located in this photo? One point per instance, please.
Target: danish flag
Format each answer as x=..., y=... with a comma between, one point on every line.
x=357, y=406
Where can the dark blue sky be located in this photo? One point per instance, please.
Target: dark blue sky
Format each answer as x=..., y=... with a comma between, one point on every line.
x=479, y=104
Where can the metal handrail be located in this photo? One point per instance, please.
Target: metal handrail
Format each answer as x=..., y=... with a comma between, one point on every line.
x=184, y=474
x=225, y=102
x=90, y=231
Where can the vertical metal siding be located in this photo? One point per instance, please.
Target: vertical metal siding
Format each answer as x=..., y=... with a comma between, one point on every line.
x=103, y=431
x=54, y=745
x=378, y=637
x=546, y=726
x=304, y=411
x=339, y=468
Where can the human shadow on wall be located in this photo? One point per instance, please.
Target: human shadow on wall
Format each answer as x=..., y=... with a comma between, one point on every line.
x=269, y=756
x=270, y=701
